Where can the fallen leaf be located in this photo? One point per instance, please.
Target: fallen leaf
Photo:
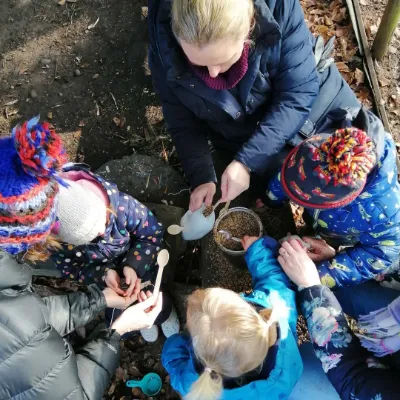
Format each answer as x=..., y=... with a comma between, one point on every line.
x=327, y=20
x=321, y=29
x=61, y=2
x=10, y=103
x=91, y=26
x=384, y=82
x=72, y=1
x=340, y=31
x=374, y=29
x=117, y=121
x=95, y=76
x=359, y=76
x=82, y=123
x=343, y=46
x=342, y=67
x=363, y=2
x=122, y=122
x=49, y=115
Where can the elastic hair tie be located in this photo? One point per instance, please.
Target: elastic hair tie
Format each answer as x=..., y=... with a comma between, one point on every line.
x=213, y=374
x=207, y=369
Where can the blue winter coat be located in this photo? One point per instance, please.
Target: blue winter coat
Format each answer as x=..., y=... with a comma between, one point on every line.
x=274, y=97
x=270, y=290
x=133, y=237
x=370, y=225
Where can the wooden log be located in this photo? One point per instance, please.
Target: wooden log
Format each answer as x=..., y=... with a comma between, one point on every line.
x=390, y=20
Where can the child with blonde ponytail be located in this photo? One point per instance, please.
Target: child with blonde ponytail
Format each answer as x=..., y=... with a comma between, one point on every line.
x=240, y=346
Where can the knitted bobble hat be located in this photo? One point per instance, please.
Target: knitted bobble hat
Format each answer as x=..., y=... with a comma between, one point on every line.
x=329, y=170
x=29, y=161
x=82, y=215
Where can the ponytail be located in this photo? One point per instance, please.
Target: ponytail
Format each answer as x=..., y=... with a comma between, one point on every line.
x=207, y=387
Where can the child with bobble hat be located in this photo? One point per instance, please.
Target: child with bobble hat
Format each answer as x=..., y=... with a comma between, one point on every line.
x=240, y=346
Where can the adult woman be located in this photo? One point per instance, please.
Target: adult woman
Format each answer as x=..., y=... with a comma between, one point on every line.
x=36, y=362
x=241, y=73
x=346, y=363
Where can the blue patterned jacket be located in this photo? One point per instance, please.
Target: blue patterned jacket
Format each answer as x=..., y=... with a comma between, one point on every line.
x=270, y=289
x=370, y=225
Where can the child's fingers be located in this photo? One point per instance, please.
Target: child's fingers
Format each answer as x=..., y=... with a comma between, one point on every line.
x=136, y=289
x=130, y=289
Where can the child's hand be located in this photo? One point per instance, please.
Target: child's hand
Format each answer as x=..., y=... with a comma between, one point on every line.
x=132, y=281
x=247, y=241
x=113, y=281
x=321, y=250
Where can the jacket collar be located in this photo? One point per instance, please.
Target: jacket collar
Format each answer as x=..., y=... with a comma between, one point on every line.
x=266, y=34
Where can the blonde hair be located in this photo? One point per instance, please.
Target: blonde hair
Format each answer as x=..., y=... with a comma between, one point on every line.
x=42, y=251
x=200, y=22
x=229, y=337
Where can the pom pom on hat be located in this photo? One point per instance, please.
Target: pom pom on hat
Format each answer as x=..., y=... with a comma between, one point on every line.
x=39, y=148
x=29, y=162
x=350, y=155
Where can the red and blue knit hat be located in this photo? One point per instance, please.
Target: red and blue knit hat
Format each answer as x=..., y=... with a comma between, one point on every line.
x=29, y=161
x=329, y=170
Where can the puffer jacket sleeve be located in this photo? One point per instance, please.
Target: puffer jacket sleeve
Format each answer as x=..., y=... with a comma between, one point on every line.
x=97, y=362
x=66, y=313
x=275, y=196
x=343, y=359
x=295, y=87
x=268, y=277
x=146, y=234
x=363, y=262
x=189, y=134
x=177, y=360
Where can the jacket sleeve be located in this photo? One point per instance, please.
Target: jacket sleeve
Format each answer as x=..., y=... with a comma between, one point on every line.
x=146, y=236
x=268, y=277
x=295, y=87
x=189, y=134
x=97, y=362
x=275, y=194
x=373, y=254
x=177, y=360
x=343, y=359
x=78, y=268
x=73, y=310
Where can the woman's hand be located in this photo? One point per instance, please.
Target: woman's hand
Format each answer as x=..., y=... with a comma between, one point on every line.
x=142, y=296
x=114, y=300
x=202, y=194
x=320, y=250
x=132, y=281
x=113, y=281
x=297, y=265
x=247, y=241
x=234, y=181
x=137, y=317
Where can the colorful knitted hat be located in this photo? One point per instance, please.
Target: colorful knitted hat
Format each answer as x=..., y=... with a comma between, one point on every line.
x=29, y=161
x=329, y=170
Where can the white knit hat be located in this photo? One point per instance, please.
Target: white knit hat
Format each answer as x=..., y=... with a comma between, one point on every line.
x=81, y=213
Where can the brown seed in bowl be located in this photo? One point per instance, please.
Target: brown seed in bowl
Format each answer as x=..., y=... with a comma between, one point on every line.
x=238, y=224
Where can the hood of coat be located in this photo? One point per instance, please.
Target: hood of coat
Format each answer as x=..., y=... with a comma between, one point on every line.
x=13, y=275
x=266, y=33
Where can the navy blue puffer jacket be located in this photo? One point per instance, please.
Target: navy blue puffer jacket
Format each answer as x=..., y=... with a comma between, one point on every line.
x=272, y=102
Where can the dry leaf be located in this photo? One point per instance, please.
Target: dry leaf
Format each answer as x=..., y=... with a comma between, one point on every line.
x=340, y=31
x=342, y=66
x=49, y=115
x=82, y=123
x=327, y=20
x=321, y=29
x=61, y=2
x=363, y=2
x=384, y=82
x=91, y=26
x=343, y=46
x=10, y=103
x=117, y=121
x=359, y=76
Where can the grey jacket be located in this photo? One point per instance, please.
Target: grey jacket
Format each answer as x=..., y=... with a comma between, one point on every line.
x=36, y=362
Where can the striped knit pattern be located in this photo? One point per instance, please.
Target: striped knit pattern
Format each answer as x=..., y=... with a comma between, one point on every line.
x=29, y=160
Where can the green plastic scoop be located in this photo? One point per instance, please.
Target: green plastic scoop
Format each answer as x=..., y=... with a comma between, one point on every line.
x=151, y=384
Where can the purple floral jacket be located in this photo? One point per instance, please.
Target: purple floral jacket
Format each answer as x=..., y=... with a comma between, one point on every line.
x=351, y=369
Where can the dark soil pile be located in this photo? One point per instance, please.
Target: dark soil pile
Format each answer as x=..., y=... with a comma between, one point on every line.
x=238, y=224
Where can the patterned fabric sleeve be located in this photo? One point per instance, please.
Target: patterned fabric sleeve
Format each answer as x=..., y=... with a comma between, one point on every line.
x=275, y=196
x=346, y=363
x=146, y=236
x=73, y=264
